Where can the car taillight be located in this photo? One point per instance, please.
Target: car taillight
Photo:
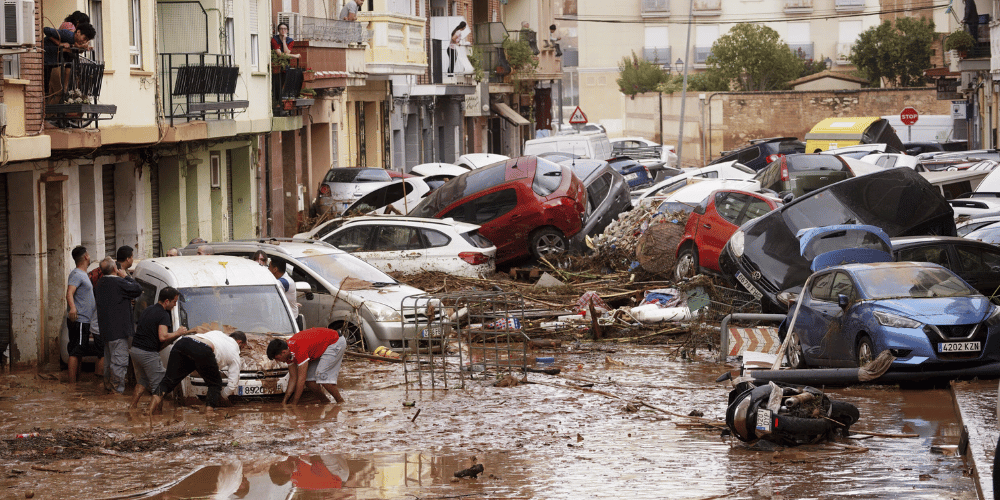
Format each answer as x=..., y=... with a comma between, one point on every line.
x=324, y=190
x=784, y=172
x=647, y=171
x=474, y=258
x=773, y=156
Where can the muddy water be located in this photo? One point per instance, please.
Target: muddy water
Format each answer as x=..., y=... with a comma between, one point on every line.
x=545, y=440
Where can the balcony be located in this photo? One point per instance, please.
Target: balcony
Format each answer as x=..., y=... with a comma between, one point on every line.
x=707, y=8
x=701, y=54
x=658, y=55
x=396, y=44
x=331, y=32
x=75, y=105
x=199, y=87
x=849, y=5
x=844, y=52
x=803, y=50
x=655, y=8
x=489, y=39
x=798, y=6
x=442, y=70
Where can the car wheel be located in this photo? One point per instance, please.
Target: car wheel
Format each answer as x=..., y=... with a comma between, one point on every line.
x=687, y=263
x=547, y=242
x=354, y=335
x=865, y=351
x=796, y=359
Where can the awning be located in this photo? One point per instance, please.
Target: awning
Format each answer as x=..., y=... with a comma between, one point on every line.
x=508, y=113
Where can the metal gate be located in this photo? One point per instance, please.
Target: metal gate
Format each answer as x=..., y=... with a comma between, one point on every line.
x=463, y=334
x=108, y=185
x=229, y=191
x=5, y=319
x=154, y=208
x=359, y=112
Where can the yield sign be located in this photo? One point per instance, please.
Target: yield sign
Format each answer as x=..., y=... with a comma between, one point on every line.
x=578, y=117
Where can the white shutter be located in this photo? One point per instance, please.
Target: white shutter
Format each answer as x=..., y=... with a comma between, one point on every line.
x=254, y=21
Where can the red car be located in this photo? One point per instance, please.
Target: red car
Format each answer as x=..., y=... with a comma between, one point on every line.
x=711, y=224
x=526, y=206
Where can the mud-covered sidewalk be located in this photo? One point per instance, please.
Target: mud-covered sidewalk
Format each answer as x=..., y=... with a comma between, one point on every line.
x=618, y=422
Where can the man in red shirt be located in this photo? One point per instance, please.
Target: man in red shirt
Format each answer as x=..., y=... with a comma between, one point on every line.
x=313, y=357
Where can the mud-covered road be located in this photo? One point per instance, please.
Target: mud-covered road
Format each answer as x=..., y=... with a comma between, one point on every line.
x=550, y=440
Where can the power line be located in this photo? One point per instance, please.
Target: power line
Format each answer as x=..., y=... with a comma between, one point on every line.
x=785, y=18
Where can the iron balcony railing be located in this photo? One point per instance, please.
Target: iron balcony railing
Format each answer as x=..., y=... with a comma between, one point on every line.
x=803, y=50
x=333, y=30
x=199, y=86
x=658, y=55
x=489, y=39
x=74, y=85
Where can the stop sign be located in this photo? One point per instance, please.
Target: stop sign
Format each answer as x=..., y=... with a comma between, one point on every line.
x=908, y=116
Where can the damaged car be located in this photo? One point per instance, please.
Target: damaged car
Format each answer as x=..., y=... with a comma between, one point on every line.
x=763, y=255
x=860, y=303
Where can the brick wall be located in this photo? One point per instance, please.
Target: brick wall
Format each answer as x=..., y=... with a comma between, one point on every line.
x=31, y=70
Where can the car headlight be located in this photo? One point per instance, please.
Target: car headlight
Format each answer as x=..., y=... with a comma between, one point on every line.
x=894, y=321
x=736, y=243
x=993, y=319
x=382, y=312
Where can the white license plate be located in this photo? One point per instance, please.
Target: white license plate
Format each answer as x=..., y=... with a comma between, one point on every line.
x=750, y=288
x=248, y=390
x=763, y=421
x=631, y=177
x=958, y=347
x=434, y=331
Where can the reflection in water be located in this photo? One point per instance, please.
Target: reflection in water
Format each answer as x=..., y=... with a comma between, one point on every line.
x=213, y=481
x=310, y=473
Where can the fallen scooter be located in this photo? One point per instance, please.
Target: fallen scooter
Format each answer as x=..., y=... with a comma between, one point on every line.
x=787, y=415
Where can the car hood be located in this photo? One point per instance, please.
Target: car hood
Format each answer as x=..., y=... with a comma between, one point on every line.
x=940, y=310
x=391, y=296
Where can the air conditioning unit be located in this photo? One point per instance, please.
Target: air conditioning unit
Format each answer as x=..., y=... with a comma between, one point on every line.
x=17, y=25
x=294, y=22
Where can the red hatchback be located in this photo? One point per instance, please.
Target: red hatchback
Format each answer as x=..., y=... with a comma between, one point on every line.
x=711, y=224
x=526, y=206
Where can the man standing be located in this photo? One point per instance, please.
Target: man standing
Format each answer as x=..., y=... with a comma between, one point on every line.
x=123, y=258
x=279, y=271
x=82, y=312
x=350, y=10
x=155, y=325
x=313, y=357
x=208, y=353
x=114, y=294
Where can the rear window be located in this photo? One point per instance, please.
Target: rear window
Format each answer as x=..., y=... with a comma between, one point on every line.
x=548, y=177
x=477, y=240
x=357, y=175
x=802, y=163
x=460, y=187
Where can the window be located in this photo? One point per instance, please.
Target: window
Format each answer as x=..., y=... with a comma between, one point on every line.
x=842, y=285
x=96, y=19
x=396, y=238
x=657, y=46
x=849, y=31
x=705, y=37
x=145, y=300
x=135, y=34
x=435, y=238
x=598, y=190
x=548, y=177
x=934, y=255
x=820, y=289
x=11, y=65
x=978, y=260
x=484, y=208
x=215, y=170
x=254, y=36
x=799, y=39
x=352, y=239
x=729, y=206
x=757, y=208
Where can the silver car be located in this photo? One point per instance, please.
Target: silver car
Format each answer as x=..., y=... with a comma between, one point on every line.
x=339, y=291
x=607, y=196
x=341, y=187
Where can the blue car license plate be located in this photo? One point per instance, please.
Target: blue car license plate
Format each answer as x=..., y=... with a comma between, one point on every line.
x=958, y=347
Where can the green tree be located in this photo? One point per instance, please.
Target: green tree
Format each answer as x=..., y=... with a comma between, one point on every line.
x=637, y=75
x=895, y=55
x=702, y=82
x=752, y=57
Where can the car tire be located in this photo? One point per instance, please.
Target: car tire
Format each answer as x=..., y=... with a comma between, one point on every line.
x=793, y=353
x=547, y=242
x=687, y=263
x=865, y=351
x=354, y=335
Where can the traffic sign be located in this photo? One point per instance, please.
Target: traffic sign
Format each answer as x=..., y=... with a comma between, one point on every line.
x=909, y=116
x=578, y=118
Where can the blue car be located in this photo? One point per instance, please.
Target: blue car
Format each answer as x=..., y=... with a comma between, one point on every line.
x=858, y=304
x=636, y=174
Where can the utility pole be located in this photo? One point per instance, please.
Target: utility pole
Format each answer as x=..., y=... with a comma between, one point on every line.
x=687, y=54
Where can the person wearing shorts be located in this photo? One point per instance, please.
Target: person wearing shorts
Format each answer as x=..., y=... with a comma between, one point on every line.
x=154, y=328
x=81, y=314
x=314, y=357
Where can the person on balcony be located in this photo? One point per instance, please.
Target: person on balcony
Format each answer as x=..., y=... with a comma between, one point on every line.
x=282, y=43
x=456, y=39
x=554, y=39
x=62, y=46
x=350, y=10
x=72, y=21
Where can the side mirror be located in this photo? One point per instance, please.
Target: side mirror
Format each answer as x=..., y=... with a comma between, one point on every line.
x=302, y=286
x=843, y=301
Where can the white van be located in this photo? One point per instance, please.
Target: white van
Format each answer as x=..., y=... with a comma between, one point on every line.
x=593, y=146
x=222, y=292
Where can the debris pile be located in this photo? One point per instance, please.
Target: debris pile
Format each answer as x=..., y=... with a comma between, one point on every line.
x=641, y=235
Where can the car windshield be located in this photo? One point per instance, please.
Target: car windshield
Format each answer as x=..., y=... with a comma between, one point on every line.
x=250, y=308
x=458, y=188
x=911, y=282
x=336, y=267
x=548, y=176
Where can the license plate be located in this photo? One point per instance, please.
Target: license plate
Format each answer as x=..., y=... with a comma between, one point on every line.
x=750, y=288
x=246, y=390
x=958, y=347
x=431, y=332
x=631, y=177
x=763, y=421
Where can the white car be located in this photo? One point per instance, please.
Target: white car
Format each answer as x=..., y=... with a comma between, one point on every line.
x=686, y=198
x=473, y=161
x=413, y=244
x=391, y=200
x=436, y=169
x=975, y=206
x=894, y=160
x=623, y=144
x=659, y=191
x=969, y=225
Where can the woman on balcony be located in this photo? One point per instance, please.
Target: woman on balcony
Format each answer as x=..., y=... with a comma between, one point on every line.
x=456, y=39
x=282, y=43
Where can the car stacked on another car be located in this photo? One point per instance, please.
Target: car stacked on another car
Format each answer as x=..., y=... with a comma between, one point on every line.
x=762, y=152
x=607, y=196
x=341, y=187
x=528, y=206
x=799, y=174
x=412, y=244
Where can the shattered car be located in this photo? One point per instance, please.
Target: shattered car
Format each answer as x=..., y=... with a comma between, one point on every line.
x=976, y=262
x=800, y=174
x=923, y=314
x=339, y=291
x=763, y=254
x=341, y=187
x=527, y=206
x=607, y=195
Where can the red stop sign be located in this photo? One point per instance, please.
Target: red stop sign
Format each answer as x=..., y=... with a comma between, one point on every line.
x=908, y=116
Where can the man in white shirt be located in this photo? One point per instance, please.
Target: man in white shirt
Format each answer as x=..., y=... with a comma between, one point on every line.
x=210, y=353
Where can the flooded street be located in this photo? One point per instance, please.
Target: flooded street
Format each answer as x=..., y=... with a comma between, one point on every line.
x=556, y=438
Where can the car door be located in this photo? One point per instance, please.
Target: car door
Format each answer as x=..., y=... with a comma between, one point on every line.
x=395, y=248
x=840, y=341
x=499, y=222
x=980, y=267
x=717, y=225
x=353, y=238
x=813, y=320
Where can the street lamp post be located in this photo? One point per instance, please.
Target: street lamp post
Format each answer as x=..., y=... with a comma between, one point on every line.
x=660, y=92
x=687, y=52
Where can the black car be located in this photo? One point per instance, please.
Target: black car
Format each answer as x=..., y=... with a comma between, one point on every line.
x=763, y=254
x=976, y=262
x=799, y=174
x=762, y=152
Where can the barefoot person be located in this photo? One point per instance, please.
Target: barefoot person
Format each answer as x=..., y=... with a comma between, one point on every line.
x=313, y=358
x=208, y=353
x=154, y=328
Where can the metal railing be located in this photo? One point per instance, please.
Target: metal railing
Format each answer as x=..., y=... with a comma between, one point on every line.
x=798, y=5
x=803, y=50
x=849, y=5
x=701, y=54
x=199, y=86
x=658, y=55
x=74, y=83
x=655, y=7
x=332, y=30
